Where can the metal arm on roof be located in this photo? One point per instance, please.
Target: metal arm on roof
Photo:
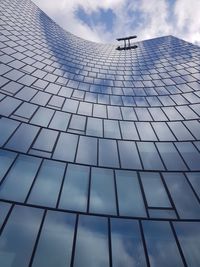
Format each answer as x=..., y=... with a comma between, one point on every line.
x=127, y=46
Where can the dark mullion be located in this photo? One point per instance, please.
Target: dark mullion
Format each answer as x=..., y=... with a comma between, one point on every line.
x=143, y=194
x=116, y=194
x=144, y=244
x=74, y=241
x=61, y=186
x=109, y=241
x=89, y=189
x=37, y=239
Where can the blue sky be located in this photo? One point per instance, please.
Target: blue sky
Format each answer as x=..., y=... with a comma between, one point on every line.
x=105, y=20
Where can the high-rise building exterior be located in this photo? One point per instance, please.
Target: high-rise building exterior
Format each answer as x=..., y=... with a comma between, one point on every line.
x=100, y=150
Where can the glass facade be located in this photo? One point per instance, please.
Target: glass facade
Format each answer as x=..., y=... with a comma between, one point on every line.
x=99, y=148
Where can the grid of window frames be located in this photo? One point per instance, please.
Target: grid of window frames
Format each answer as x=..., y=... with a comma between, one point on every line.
x=99, y=148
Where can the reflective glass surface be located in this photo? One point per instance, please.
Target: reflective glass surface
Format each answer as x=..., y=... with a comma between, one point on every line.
x=127, y=248
x=75, y=188
x=102, y=191
x=100, y=147
x=55, y=243
x=160, y=244
x=92, y=242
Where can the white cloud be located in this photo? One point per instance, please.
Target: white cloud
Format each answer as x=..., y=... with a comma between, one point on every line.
x=156, y=18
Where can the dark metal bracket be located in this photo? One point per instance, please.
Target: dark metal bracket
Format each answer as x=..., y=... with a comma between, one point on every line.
x=127, y=43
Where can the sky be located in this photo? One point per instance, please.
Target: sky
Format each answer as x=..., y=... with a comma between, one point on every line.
x=105, y=20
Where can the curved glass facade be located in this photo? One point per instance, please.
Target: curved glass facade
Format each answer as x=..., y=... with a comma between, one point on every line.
x=100, y=150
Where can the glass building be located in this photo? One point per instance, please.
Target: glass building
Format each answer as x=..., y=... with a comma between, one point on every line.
x=100, y=150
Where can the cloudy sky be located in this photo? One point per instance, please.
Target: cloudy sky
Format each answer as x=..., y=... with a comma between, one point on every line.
x=105, y=20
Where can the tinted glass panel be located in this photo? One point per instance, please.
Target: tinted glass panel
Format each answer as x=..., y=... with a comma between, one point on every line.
x=42, y=116
x=60, y=121
x=7, y=127
x=127, y=247
x=182, y=195
x=92, y=242
x=108, y=155
x=55, y=243
x=171, y=157
x=150, y=157
x=102, y=194
x=45, y=140
x=75, y=188
x=4, y=209
x=6, y=159
x=190, y=155
x=130, y=199
x=19, y=179
x=47, y=184
x=194, y=178
x=154, y=190
x=23, y=138
x=87, y=150
x=66, y=147
x=19, y=236
x=189, y=237
x=94, y=127
x=161, y=245
x=129, y=157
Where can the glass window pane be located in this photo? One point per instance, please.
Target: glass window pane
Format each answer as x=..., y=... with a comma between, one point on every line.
x=45, y=140
x=20, y=178
x=26, y=110
x=94, y=127
x=6, y=159
x=154, y=190
x=194, y=178
x=87, y=150
x=66, y=147
x=189, y=238
x=171, y=157
x=108, y=155
x=129, y=157
x=102, y=194
x=77, y=123
x=8, y=105
x=47, y=184
x=146, y=131
x=42, y=117
x=161, y=245
x=55, y=244
x=92, y=242
x=60, y=121
x=19, y=236
x=130, y=198
x=180, y=131
x=111, y=129
x=4, y=209
x=75, y=188
x=150, y=156
x=164, y=214
x=23, y=138
x=7, y=127
x=190, y=155
x=127, y=247
x=129, y=130
x=184, y=199
x=162, y=131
